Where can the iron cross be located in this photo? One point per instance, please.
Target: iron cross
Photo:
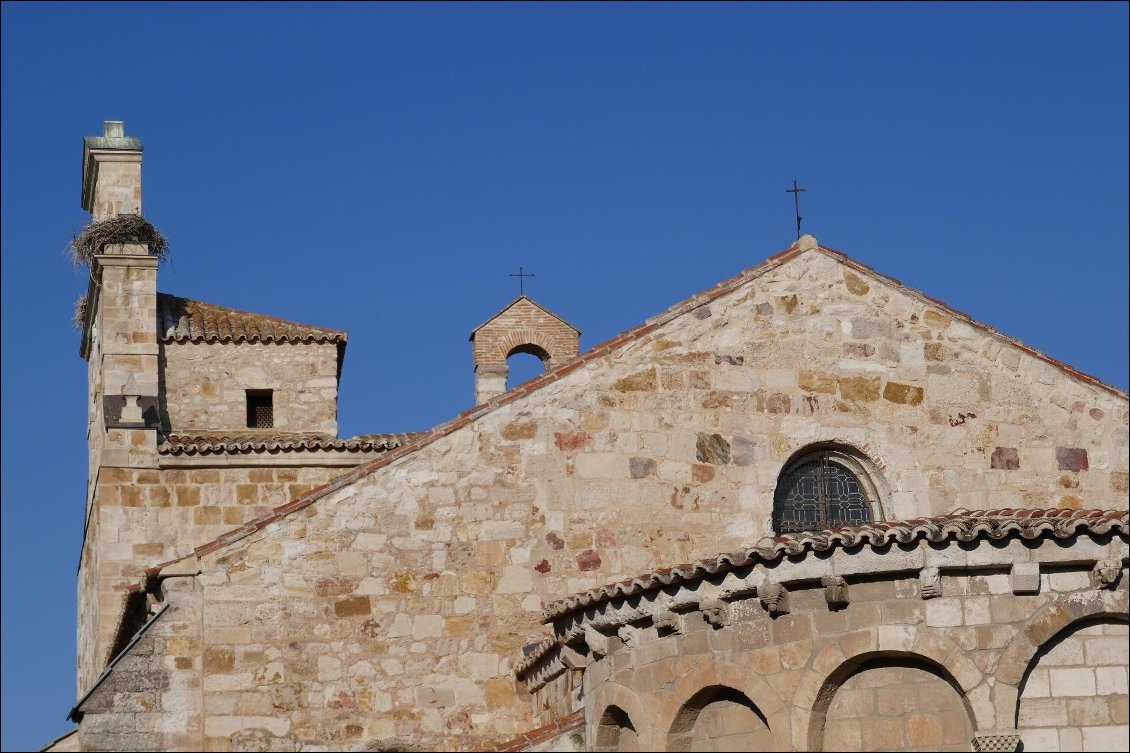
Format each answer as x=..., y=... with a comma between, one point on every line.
x=521, y=279
x=796, y=192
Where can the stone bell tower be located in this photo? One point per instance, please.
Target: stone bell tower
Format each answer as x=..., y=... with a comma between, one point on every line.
x=119, y=343
x=521, y=327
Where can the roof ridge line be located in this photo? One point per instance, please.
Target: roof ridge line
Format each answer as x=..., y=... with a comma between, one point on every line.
x=992, y=331
x=470, y=415
x=511, y=305
x=597, y=351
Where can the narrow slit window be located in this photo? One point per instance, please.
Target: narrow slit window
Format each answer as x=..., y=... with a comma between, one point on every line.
x=260, y=409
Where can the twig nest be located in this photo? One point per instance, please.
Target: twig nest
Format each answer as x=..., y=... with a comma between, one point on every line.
x=123, y=228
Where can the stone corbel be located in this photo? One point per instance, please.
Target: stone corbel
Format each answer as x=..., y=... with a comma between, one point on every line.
x=600, y=645
x=835, y=590
x=1106, y=573
x=668, y=620
x=930, y=582
x=629, y=635
x=774, y=597
x=1025, y=577
x=716, y=612
x=996, y=740
x=573, y=659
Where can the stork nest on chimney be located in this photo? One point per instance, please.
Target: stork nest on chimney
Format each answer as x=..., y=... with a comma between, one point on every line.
x=123, y=228
x=78, y=318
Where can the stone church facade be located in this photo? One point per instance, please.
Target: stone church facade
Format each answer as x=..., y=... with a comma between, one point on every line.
x=905, y=530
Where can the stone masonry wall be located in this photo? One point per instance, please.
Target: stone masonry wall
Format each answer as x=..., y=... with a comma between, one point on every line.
x=1075, y=695
x=205, y=385
x=151, y=700
x=398, y=604
x=897, y=705
x=892, y=669
x=122, y=347
x=149, y=516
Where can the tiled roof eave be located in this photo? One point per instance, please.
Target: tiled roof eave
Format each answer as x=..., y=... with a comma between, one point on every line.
x=210, y=444
x=961, y=525
x=181, y=320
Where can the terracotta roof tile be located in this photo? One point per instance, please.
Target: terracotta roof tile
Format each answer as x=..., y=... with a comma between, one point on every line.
x=228, y=443
x=185, y=320
x=960, y=525
x=543, y=733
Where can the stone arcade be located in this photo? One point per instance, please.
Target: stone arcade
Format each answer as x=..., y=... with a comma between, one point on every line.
x=907, y=531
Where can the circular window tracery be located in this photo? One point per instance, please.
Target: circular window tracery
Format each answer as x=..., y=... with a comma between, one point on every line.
x=823, y=489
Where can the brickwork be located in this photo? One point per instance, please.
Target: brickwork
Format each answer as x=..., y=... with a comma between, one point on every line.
x=205, y=384
x=521, y=327
x=1075, y=694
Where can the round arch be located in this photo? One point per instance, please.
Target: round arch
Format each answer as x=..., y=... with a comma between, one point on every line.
x=1049, y=621
x=878, y=659
x=613, y=695
x=868, y=473
x=726, y=676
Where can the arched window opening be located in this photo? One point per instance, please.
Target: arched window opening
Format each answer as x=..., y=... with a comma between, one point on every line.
x=524, y=363
x=720, y=718
x=616, y=732
x=826, y=488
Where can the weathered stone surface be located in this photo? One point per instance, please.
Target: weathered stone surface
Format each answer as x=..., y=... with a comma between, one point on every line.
x=1071, y=458
x=1005, y=459
x=903, y=393
x=712, y=448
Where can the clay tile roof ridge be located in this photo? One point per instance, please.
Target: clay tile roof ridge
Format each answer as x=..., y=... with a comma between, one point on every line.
x=188, y=320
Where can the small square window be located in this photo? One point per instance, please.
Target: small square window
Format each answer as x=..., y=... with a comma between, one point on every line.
x=260, y=409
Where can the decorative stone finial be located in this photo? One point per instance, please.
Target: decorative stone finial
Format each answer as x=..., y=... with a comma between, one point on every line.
x=807, y=243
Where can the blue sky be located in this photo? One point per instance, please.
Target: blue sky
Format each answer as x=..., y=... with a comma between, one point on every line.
x=382, y=168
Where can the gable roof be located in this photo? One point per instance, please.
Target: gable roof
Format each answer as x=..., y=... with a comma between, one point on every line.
x=514, y=303
x=186, y=320
x=423, y=439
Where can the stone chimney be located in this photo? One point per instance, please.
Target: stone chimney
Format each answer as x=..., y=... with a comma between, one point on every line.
x=120, y=346
x=111, y=172
x=522, y=327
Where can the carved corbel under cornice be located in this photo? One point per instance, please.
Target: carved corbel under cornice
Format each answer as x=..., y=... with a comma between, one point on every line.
x=835, y=590
x=774, y=597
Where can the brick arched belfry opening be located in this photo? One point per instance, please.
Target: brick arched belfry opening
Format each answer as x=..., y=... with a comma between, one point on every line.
x=521, y=327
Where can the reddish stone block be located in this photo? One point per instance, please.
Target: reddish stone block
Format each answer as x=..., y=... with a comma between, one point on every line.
x=1005, y=459
x=588, y=560
x=1071, y=458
